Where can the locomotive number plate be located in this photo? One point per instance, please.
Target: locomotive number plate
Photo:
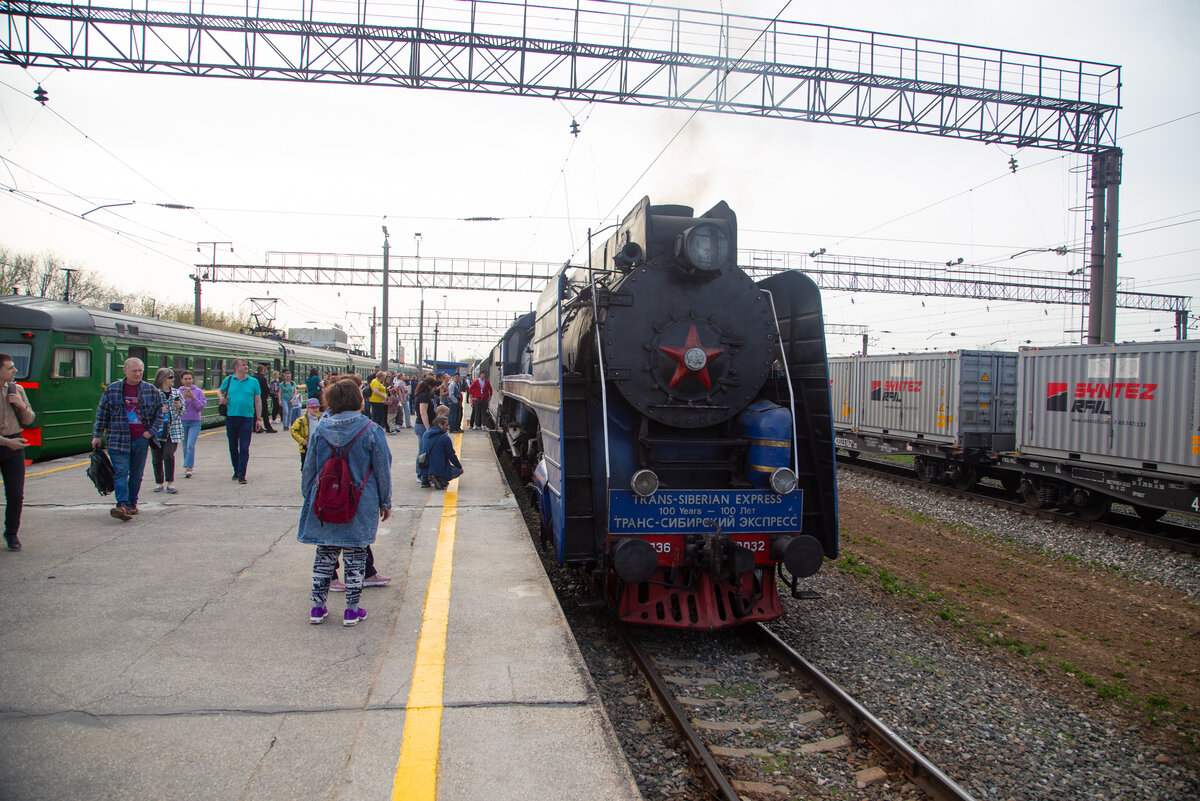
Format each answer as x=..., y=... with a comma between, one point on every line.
x=759, y=546
x=698, y=511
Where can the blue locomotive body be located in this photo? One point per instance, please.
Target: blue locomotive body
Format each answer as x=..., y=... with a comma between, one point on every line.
x=674, y=418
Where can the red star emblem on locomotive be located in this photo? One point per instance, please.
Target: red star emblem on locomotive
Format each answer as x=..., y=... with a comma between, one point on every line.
x=692, y=358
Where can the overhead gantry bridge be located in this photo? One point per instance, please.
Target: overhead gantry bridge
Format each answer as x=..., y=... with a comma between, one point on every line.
x=830, y=271
x=629, y=54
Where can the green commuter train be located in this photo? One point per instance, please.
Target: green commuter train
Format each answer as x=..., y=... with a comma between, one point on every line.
x=65, y=354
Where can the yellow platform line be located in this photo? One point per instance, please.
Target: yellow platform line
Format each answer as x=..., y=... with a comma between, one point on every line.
x=417, y=771
x=83, y=464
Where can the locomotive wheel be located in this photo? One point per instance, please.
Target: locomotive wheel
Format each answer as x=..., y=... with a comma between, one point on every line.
x=924, y=468
x=1095, y=508
x=966, y=479
x=1150, y=515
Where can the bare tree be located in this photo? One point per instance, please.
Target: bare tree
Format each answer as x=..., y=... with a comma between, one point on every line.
x=45, y=276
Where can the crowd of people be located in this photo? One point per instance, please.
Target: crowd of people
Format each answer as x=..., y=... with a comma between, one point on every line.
x=340, y=422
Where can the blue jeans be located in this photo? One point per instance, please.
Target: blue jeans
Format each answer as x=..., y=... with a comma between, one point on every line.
x=191, y=431
x=128, y=467
x=238, y=431
x=291, y=414
x=455, y=417
x=419, y=429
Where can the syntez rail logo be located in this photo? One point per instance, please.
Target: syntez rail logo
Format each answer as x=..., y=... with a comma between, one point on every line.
x=891, y=390
x=1092, y=398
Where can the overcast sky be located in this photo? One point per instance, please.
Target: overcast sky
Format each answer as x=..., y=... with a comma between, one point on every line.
x=277, y=166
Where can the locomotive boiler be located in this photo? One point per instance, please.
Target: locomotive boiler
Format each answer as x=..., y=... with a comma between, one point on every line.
x=675, y=417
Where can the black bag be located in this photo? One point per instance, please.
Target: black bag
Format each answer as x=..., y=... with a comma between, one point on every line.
x=100, y=471
x=223, y=408
x=423, y=459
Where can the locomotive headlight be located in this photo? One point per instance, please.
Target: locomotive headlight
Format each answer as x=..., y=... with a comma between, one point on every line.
x=783, y=480
x=644, y=483
x=704, y=247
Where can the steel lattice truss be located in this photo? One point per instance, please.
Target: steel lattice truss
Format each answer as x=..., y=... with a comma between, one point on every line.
x=968, y=281
x=845, y=273
x=459, y=325
x=601, y=52
x=405, y=272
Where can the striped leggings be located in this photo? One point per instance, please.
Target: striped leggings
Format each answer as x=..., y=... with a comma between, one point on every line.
x=325, y=566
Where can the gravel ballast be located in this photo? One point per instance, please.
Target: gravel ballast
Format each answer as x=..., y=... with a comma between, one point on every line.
x=988, y=723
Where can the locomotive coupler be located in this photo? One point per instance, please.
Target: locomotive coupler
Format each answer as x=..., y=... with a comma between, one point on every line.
x=721, y=557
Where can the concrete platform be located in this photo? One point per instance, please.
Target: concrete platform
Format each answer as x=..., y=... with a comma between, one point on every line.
x=172, y=657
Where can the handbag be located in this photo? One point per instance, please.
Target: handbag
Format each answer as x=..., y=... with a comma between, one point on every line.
x=100, y=471
x=423, y=459
x=223, y=408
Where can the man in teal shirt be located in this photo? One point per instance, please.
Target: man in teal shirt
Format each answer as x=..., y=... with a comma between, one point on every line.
x=243, y=394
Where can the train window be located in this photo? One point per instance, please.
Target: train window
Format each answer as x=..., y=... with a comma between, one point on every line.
x=21, y=354
x=180, y=363
x=71, y=363
x=63, y=365
x=138, y=353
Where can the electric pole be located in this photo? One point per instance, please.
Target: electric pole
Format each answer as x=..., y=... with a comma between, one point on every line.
x=196, y=276
x=68, y=271
x=384, y=340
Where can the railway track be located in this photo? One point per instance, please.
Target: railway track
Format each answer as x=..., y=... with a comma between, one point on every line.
x=1161, y=533
x=758, y=720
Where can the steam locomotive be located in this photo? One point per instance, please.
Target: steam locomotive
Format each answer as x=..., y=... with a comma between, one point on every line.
x=674, y=418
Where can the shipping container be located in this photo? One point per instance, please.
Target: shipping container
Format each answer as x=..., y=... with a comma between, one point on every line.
x=964, y=399
x=1134, y=406
x=841, y=390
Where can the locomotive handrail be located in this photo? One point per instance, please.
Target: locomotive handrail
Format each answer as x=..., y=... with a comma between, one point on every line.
x=603, y=388
x=791, y=390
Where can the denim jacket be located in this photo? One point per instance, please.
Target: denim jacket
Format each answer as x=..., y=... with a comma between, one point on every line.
x=371, y=449
x=437, y=444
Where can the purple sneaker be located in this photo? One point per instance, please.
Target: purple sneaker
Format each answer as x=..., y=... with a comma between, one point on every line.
x=351, y=616
x=318, y=615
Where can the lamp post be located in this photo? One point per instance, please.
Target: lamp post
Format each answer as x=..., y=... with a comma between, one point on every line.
x=437, y=319
x=421, y=318
x=386, y=247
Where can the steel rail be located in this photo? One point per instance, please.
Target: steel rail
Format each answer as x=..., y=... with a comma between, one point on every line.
x=701, y=758
x=916, y=767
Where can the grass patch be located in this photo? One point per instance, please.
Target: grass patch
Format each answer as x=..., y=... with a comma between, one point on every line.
x=854, y=565
x=774, y=764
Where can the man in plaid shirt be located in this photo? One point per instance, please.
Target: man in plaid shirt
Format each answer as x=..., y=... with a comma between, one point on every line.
x=129, y=412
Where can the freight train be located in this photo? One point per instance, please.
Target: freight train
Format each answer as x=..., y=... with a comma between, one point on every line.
x=673, y=416
x=1077, y=427
x=65, y=354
